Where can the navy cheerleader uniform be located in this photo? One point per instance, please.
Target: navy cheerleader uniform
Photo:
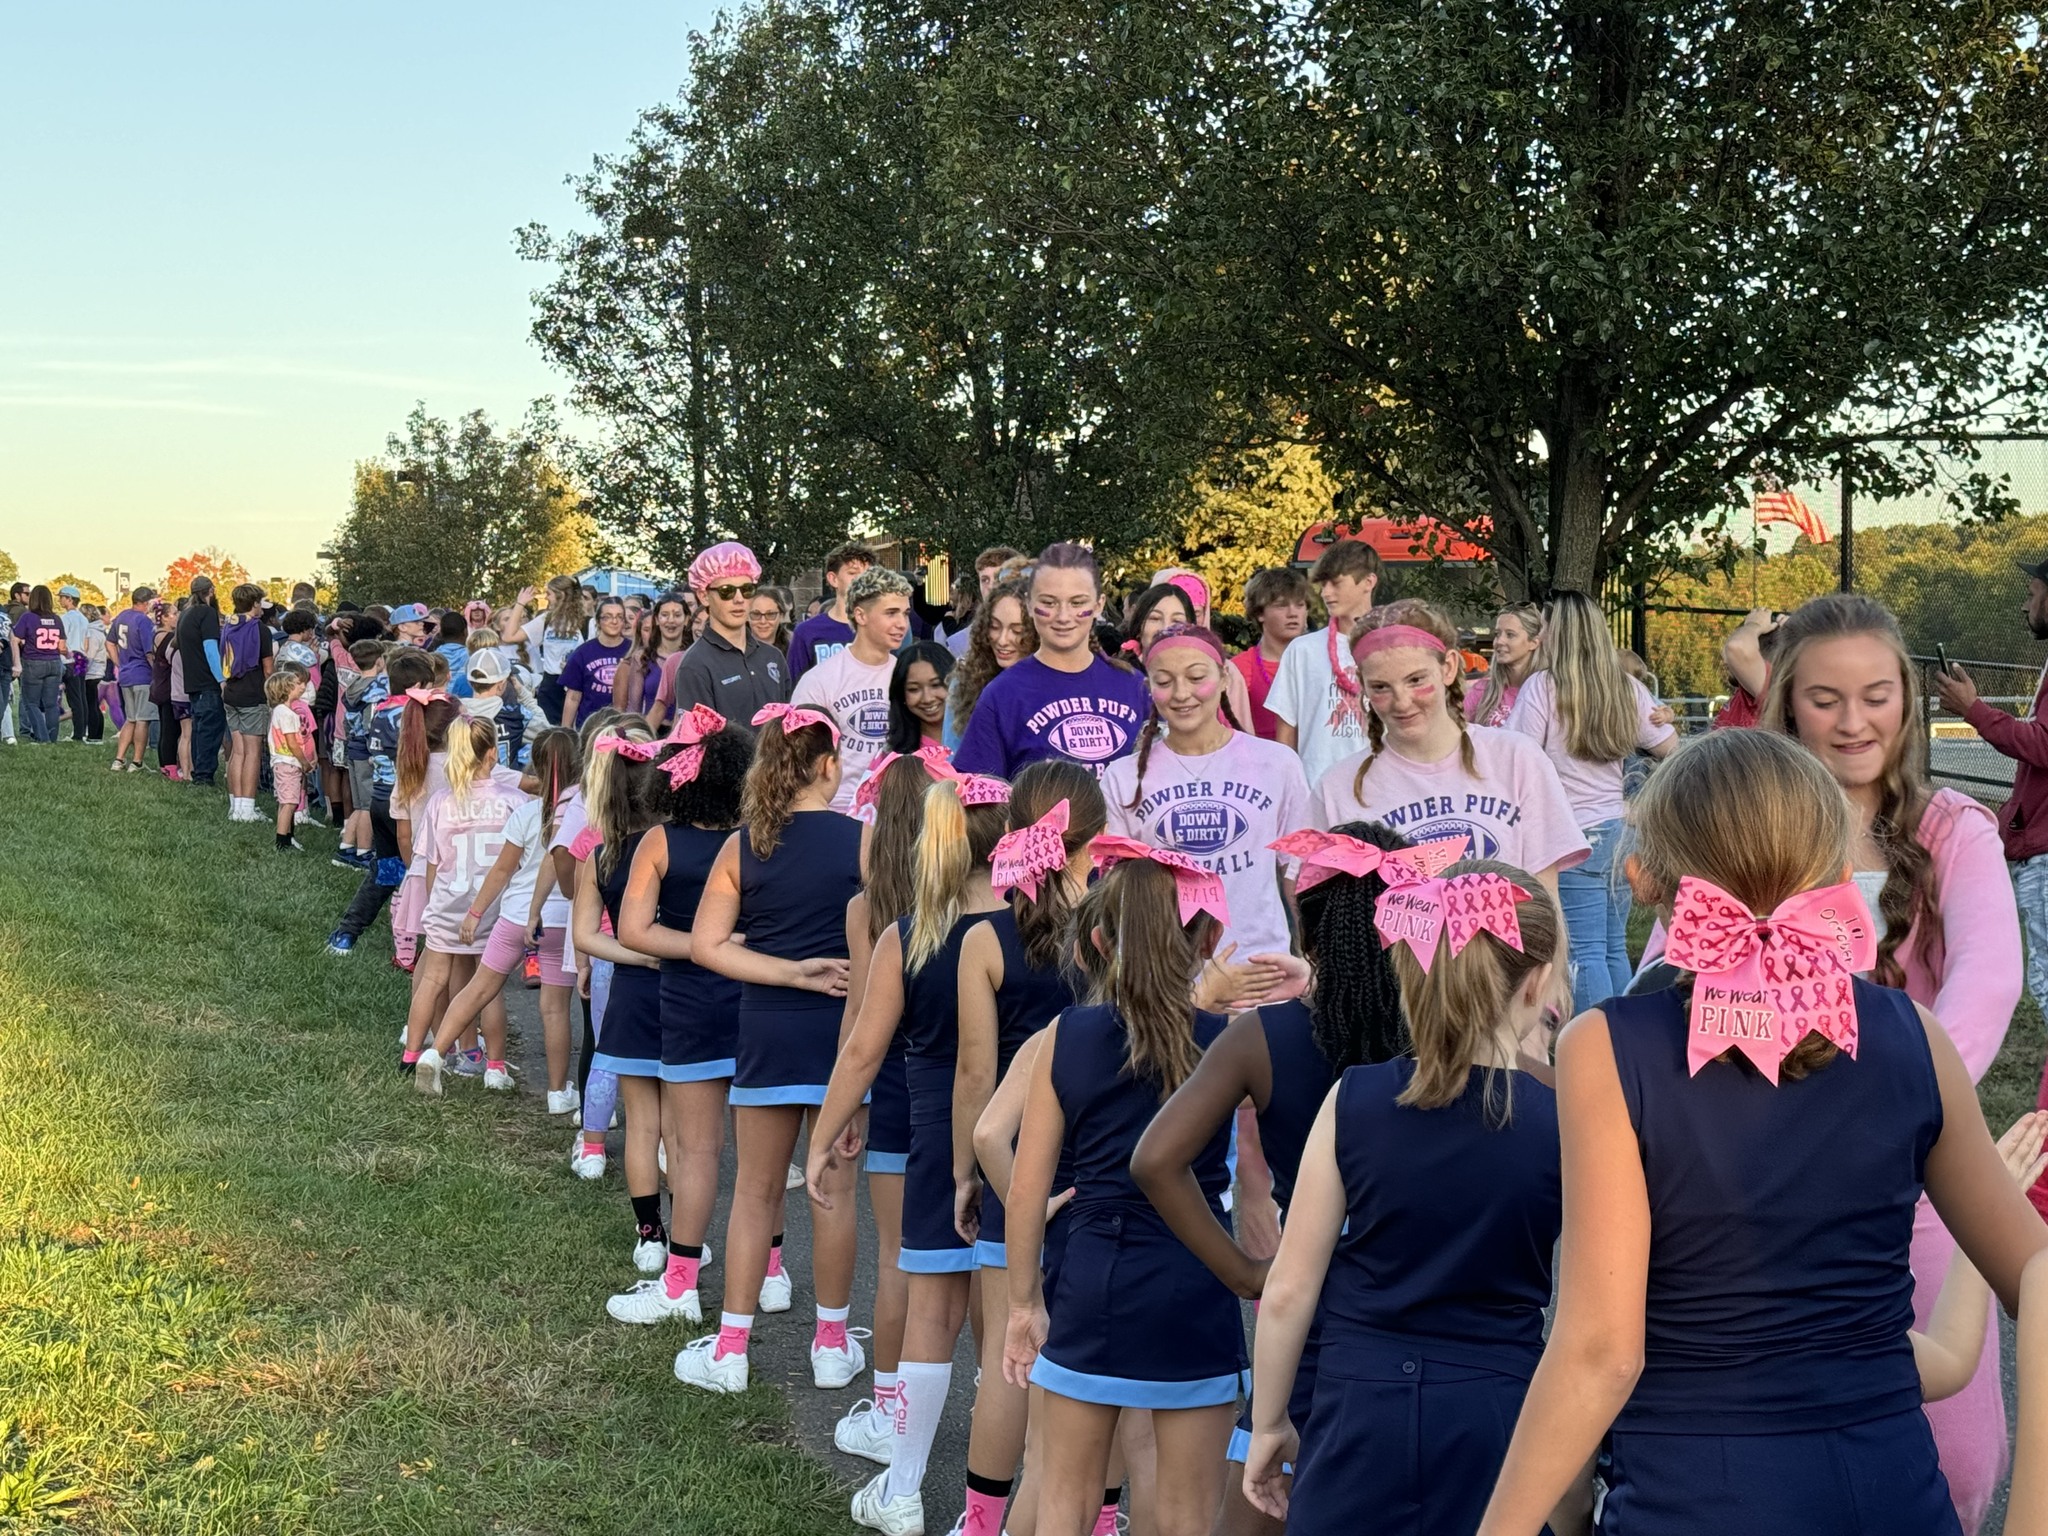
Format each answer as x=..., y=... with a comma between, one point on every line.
x=1432, y=1309
x=931, y=1039
x=888, y=1145
x=1136, y=1321
x=1301, y=1081
x=793, y=906
x=1778, y=1395
x=699, y=1008
x=630, y=1041
x=1029, y=999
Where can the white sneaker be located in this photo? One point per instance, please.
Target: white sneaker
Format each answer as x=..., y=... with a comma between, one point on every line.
x=498, y=1078
x=866, y=1432
x=775, y=1293
x=585, y=1165
x=426, y=1073
x=695, y=1367
x=564, y=1101
x=661, y=1156
x=650, y=1257
x=650, y=1302
x=832, y=1369
x=794, y=1179
x=873, y=1508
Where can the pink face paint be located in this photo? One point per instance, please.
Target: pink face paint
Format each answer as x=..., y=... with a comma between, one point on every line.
x=1424, y=694
x=1207, y=689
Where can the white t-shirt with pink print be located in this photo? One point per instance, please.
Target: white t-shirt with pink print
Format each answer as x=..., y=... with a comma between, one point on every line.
x=1512, y=808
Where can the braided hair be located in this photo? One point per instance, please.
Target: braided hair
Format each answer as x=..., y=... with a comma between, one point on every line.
x=1354, y=997
x=1417, y=614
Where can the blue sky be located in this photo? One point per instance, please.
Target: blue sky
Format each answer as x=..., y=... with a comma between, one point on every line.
x=244, y=239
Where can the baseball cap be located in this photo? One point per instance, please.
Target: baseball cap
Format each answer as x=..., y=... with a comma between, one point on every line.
x=2038, y=570
x=487, y=666
x=67, y=590
x=411, y=613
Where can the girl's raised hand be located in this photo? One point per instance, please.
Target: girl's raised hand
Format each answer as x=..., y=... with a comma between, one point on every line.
x=1266, y=1484
x=1022, y=1340
x=2022, y=1147
x=823, y=975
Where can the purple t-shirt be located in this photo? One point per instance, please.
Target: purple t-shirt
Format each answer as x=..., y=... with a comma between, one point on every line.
x=812, y=641
x=590, y=669
x=131, y=637
x=41, y=636
x=1032, y=712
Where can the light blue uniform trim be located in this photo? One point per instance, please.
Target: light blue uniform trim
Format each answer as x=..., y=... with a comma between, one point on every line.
x=696, y=1071
x=625, y=1066
x=1121, y=1392
x=886, y=1162
x=935, y=1261
x=992, y=1255
x=791, y=1093
x=1241, y=1447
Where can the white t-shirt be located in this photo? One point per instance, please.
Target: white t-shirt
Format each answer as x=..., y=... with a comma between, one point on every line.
x=1594, y=789
x=558, y=910
x=1305, y=695
x=1222, y=809
x=1513, y=809
x=855, y=694
x=523, y=827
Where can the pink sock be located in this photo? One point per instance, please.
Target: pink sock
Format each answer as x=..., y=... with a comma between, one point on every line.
x=731, y=1341
x=680, y=1276
x=496, y=1066
x=775, y=1258
x=594, y=1144
x=984, y=1515
x=829, y=1335
x=1105, y=1523
x=409, y=1056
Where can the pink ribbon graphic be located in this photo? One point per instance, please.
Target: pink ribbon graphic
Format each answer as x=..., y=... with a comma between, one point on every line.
x=1024, y=857
x=1416, y=914
x=1199, y=889
x=1762, y=984
x=795, y=717
x=975, y=789
x=1324, y=854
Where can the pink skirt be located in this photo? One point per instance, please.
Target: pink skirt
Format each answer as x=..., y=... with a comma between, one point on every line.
x=410, y=905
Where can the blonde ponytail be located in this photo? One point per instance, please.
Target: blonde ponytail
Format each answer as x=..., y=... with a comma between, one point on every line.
x=956, y=841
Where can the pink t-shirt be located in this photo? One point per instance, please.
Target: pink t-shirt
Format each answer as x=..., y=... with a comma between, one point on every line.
x=1513, y=809
x=462, y=841
x=1475, y=695
x=1594, y=789
x=1222, y=809
x=855, y=694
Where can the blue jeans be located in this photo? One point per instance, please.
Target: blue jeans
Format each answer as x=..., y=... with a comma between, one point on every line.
x=1595, y=901
x=2030, y=890
x=209, y=729
x=42, y=686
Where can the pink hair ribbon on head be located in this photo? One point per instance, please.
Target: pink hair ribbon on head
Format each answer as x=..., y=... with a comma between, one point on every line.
x=1192, y=587
x=1761, y=985
x=976, y=788
x=1026, y=855
x=1468, y=905
x=934, y=752
x=424, y=696
x=692, y=729
x=795, y=717
x=1324, y=854
x=1199, y=889
x=638, y=751
x=869, y=793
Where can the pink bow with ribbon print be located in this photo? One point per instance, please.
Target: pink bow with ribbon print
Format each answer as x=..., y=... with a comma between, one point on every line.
x=1465, y=906
x=625, y=746
x=1762, y=984
x=1199, y=889
x=1324, y=854
x=692, y=728
x=795, y=717
x=1024, y=857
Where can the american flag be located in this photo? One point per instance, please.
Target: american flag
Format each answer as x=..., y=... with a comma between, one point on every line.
x=1775, y=504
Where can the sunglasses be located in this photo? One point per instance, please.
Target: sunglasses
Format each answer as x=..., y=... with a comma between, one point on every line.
x=732, y=590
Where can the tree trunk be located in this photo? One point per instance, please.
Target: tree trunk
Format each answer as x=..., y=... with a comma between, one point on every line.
x=700, y=501
x=1578, y=484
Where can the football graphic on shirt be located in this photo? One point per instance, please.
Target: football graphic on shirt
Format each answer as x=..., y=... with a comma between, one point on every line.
x=1200, y=827
x=872, y=721
x=1088, y=737
x=1480, y=844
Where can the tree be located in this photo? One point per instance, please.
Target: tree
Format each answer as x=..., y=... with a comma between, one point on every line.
x=225, y=571
x=452, y=512
x=1563, y=275
x=9, y=571
x=88, y=591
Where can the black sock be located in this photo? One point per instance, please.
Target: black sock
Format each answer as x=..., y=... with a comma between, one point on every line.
x=1111, y=1497
x=678, y=1250
x=284, y=839
x=989, y=1487
x=647, y=1216
x=775, y=1241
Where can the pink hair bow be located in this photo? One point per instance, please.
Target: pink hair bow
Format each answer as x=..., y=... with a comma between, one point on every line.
x=1324, y=854
x=1762, y=984
x=795, y=717
x=868, y=796
x=1199, y=889
x=695, y=724
x=424, y=696
x=1467, y=905
x=973, y=788
x=638, y=751
x=1026, y=855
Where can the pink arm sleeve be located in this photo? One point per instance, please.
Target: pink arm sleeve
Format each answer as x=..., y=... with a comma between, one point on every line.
x=1982, y=969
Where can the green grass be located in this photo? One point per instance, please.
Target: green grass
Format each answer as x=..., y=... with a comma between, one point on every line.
x=248, y=1281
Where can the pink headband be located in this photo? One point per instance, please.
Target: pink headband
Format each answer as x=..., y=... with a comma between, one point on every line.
x=1324, y=854
x=1026, y=855
x=1185, y=634
x=1467, y=905
x=795, y=717
x=1392, y=636
x=1761, y=985
x=729, y=561
x=1199, y=889
x=692, y=729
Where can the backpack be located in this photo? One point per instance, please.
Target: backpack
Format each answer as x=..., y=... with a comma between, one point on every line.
x=241, y=645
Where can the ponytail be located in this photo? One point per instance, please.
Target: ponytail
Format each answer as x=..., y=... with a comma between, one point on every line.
x=422, y=731
x=472, y=754
x=785, y=765
x=892, y=844
x=614, y=795
x=956, y=840
x=1147, y=957
x=557, y=762
x=1045, y=922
